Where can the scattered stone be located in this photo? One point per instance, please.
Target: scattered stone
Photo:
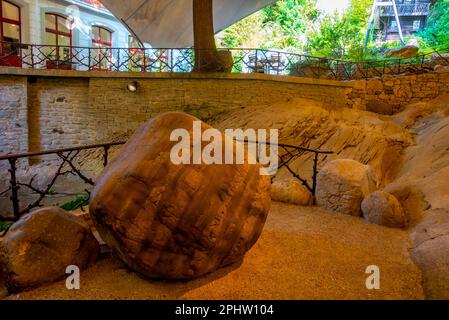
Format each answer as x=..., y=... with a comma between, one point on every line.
x=406, y=52
x=41, y=245
x=441, y=69
x=342, y=185
x=291, y=191
x=384, y=209
x=177, y=221
x=412, y=201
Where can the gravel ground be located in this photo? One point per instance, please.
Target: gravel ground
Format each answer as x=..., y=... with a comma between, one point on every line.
x=303, y=253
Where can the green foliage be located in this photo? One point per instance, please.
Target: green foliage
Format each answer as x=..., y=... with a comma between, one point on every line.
x=77, y=203
x=281, y=25
x=342, y=36
x=298, y=26
x=436, y=34
x=5, y=226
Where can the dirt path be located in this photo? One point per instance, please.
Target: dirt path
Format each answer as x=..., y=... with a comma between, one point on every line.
x=304, y=253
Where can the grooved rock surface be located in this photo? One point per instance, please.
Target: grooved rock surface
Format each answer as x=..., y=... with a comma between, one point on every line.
x=177, y=221
x=422, y=183
x=351, y=134
x=41, y=245
x=384, y=209
x=291, y=191
x=343, y=184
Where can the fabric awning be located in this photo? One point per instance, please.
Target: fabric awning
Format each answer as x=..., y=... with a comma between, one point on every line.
x=169, y=23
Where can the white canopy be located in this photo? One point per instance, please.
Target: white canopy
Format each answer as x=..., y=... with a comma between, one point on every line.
x=169, y=23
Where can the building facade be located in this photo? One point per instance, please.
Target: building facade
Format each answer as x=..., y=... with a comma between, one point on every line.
x=413, y=15
x=60, y=25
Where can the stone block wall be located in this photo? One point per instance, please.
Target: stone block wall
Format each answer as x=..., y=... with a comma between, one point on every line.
x=13, y=114
x=54, y=108
x=396, y=92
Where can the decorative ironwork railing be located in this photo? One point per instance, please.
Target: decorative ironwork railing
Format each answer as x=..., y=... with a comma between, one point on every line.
x=69, y=165
x=183, y=60
x=417, y=9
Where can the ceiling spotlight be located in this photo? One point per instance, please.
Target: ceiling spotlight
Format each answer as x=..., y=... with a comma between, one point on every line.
x=133, y=86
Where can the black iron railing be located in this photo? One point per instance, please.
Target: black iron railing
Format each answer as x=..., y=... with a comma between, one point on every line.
x=66, y=166
x=69, y=166
x=183, y=60
x=288, y=154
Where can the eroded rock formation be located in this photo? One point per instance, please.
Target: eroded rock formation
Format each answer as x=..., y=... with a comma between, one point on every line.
x=177, y=221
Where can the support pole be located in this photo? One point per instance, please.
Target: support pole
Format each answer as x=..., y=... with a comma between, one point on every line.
x=203, y=34
x=14, y=187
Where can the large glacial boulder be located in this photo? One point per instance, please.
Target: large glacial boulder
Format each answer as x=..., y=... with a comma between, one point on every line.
x=342, y=185
x=41, y=245
x=291, y=191
x=384, y=209
x=177, y=221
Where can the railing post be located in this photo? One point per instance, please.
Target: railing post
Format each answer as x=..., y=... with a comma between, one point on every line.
x=106, y=155
x=279, y=62
x=14, y=187
x=32, y=57
x=315, y=174
x=118, y=59
x=256, y=62
x=89, y=54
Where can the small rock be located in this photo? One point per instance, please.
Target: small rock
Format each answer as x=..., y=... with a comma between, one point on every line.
x=291, y=191
x=342, y=185
x=440, y=68
x=405, y=52
x=384, y=209
x=41, y=245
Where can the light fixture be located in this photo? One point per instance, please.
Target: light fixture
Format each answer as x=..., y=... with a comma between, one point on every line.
x=133, y=86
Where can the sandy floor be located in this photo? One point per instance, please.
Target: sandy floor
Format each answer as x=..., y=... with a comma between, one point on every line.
x=304, y=253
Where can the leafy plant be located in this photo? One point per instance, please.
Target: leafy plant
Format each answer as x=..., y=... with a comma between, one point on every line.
x=5, y=226
x=436, y=33
x=77, y=203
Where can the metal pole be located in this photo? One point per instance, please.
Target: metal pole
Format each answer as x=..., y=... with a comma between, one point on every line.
x=395, y=9
x=315, y=173
x=14, y=187
x=105, y=156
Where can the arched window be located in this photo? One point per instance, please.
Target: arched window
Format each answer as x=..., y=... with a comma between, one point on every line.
x=102, y=41
x=10, y=25
x=58, y=36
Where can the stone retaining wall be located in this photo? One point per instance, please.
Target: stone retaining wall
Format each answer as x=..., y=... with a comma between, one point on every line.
x=43, y=109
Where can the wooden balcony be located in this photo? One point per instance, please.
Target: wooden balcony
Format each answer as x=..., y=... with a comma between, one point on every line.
x=408, y=10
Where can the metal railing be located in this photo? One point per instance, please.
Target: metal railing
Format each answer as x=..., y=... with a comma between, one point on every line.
x=416, y=9
x=183, y=60
x=69, y=166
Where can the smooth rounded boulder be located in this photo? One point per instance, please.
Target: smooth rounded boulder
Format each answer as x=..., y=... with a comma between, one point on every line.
x=177, y=221
x=342, y=185
x=291, y=191
x=384, y=209
x=39, y=247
